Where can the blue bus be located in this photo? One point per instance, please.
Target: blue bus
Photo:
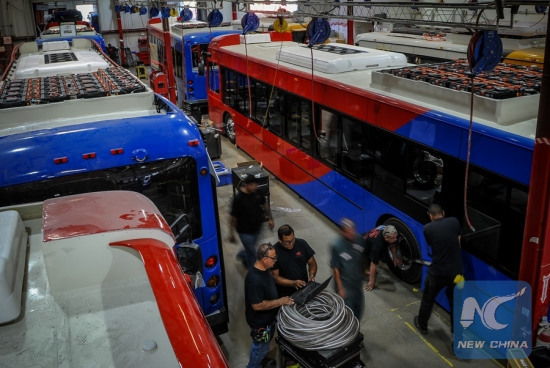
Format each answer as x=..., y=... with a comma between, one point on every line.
x=75, y=122
x=185, y=68
x=66, y=31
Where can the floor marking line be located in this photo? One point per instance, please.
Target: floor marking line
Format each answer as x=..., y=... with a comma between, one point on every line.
x=449, y=363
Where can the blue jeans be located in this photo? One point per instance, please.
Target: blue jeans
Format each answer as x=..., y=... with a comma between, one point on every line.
x=257, y=353
x=249, y=242
x=260, y=349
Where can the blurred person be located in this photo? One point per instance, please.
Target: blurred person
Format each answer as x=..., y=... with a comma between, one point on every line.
x=248, y=213
x=347, y=266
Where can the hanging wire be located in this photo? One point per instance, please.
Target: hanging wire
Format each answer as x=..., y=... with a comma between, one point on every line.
x=272, y=86
x=313, y=97
x=468, y=155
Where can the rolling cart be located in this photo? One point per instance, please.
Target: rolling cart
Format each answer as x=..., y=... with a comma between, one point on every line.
x=345, y=357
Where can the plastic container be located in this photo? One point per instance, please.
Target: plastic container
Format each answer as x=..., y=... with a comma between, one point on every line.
x=224, y=174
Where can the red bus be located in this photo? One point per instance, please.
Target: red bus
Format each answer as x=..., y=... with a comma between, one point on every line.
x=366, y=136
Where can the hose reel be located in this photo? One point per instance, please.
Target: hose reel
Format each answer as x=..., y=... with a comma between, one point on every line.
x=250, y=23
x=186, y=14
x=215, y=18
x=318, y=31
x=484, y=51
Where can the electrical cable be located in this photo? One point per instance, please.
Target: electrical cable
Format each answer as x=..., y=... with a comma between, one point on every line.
x=325, y=323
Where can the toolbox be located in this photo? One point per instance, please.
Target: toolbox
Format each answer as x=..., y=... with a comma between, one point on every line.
x=241, y=172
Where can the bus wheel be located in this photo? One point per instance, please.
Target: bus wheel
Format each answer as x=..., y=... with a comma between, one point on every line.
x=408, y=249
x=229, y=128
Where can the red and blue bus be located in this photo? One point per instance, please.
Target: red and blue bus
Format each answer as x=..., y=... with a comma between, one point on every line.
x=73, y=122
x=364, y=135
x=188, y=41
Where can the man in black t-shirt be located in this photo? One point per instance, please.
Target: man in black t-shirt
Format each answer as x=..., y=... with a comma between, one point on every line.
x=294, y=258
x=262, y=303
x=443, y=236
x=248, y=212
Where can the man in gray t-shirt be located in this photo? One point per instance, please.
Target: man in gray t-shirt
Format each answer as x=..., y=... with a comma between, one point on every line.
x=347, y=266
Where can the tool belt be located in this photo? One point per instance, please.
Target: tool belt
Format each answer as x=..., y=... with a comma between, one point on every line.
x=263, y=334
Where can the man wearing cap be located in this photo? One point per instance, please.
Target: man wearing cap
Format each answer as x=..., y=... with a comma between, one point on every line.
x=248, y=212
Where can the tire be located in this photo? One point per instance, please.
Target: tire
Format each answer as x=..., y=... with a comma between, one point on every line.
x=229, y=129
x=408, y=248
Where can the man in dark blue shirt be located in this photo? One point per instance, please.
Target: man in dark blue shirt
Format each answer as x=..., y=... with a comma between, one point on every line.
x=443, y=236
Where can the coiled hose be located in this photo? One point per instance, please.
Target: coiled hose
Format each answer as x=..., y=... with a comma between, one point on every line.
x=325, y=323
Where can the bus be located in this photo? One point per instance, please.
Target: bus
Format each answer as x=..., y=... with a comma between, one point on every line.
x=434, y=47
x=365, y=135
x=419, y=48
x=58, y=31
x=188, y=41
x=73, y=122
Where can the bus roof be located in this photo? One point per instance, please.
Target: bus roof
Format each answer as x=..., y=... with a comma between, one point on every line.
x=515, y=115
x=178, y=28
x=339, y=58
x=437, y=44
x=69, y=83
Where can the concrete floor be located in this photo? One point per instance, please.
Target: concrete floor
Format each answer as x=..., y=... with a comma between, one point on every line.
x=390, y=338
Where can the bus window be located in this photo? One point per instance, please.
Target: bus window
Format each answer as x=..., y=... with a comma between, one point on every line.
x=242, y=94
x=276, y=111
x=260, y=98
x=492, y=197
x=298, y=123
x=196, y=55
x=357, y=155
x=424, y=174
x=170, y=184
x=328, y=136
x=267, y=114
x=178, y=62
x=389, y=163
x=235, y=90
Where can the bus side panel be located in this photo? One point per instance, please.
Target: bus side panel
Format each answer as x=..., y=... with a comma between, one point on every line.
x=447, y=134
x=330, y=193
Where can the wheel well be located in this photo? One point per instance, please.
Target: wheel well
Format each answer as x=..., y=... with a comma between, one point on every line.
x=226, y=115
x=383, y=218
